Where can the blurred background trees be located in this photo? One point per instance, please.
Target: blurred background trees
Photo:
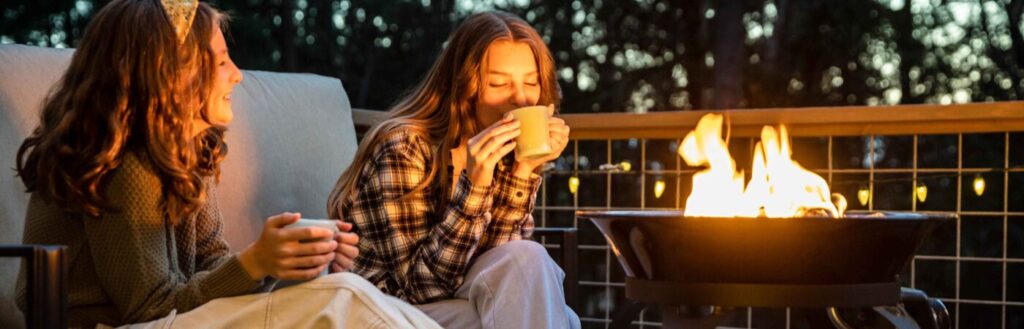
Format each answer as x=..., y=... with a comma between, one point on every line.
x=661, y=55
x=632, y=55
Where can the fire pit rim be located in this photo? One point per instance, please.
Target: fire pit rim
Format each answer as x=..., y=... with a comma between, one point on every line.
x=856, y=215
x=745, y=245
x=710, y=281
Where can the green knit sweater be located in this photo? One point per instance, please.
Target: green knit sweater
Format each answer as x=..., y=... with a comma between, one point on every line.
x=132, y=265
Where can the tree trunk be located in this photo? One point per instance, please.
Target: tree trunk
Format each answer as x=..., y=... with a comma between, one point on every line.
x=364, y=83
x=288, y=35
x=694, y=29
x=772, y=47
x=911, y=53
x=812, y=56
x=325, y=37
x=1014, y=11
x=729, y=51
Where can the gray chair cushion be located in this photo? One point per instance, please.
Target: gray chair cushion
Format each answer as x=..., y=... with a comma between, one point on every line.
x=291, y=137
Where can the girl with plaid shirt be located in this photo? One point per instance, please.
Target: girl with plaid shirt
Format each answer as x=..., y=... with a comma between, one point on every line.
x=442, y=206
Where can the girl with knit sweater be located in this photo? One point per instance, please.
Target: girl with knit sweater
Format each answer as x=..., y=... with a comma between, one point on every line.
x=123, y=168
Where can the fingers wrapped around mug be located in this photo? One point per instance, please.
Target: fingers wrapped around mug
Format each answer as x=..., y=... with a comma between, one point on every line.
x=559, y=132
x=290, y=253
x=488, y=147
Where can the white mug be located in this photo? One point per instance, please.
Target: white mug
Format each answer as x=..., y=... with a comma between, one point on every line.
x=321, y=223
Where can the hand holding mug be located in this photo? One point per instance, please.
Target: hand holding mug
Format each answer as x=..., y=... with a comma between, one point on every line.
x=546, y=149
x=289, y=253
x=484, y=150
x=347, y=251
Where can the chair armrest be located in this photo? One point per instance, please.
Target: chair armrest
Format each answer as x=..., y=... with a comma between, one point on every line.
x=570, y=252
x=46, y=283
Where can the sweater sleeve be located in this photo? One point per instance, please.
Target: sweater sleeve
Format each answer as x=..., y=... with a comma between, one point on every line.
x=211, y=248
x=130, y=249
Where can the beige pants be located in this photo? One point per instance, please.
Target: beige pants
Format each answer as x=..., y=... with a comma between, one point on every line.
x=340, y=300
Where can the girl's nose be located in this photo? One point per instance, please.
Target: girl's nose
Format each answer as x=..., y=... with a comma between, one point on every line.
x=519, y=97
x=237, y=77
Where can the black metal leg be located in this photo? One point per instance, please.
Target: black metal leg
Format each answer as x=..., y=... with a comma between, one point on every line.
x=46, y=282
x=692, y=317
x=626, y=313
x=929, y=313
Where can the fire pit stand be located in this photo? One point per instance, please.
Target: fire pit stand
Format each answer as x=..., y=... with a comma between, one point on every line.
x=763, y=295
x=686, y=305
x=699, y=270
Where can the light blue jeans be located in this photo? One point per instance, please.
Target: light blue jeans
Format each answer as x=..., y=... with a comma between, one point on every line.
x=515, y=285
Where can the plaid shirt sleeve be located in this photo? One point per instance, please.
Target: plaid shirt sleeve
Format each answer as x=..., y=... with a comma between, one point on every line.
x=414, y=253
x=512, y=212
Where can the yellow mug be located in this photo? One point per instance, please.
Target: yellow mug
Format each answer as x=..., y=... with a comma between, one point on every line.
x=533, y=137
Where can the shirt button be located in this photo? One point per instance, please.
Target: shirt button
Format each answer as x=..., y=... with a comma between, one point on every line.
x=519, y=194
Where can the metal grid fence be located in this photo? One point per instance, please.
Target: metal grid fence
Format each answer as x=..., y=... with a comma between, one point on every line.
x=975, y=265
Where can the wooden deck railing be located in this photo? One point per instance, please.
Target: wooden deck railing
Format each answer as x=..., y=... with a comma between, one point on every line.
x=811, y=121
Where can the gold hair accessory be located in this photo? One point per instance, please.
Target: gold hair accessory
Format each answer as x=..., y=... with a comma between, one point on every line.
x=181, y=13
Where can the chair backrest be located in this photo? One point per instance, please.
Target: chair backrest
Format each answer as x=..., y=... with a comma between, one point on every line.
x=291, y=137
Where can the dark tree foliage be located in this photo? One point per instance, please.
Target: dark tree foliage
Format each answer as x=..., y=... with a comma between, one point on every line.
x=632, y=55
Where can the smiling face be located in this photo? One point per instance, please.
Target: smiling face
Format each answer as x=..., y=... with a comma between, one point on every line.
x=510, y=81
x=228, y=75
x=218, y=107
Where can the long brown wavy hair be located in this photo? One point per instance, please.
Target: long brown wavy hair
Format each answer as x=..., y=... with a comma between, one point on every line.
x=441, y=107
x=131, y=87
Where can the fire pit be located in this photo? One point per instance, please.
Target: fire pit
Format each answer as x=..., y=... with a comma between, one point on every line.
x=810, y=262
x=858, y=249
x=779, y=239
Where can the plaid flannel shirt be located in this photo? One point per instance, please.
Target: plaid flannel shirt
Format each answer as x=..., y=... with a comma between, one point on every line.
x=413, y=247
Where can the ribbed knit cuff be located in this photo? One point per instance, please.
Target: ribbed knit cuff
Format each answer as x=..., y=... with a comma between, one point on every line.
x=229, y=279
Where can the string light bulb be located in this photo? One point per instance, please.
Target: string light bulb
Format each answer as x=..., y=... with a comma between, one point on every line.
x=625, y=165
x=574, y=184
x=921, y=192
x=659, y=188
x=864, y=195
x=979, y=184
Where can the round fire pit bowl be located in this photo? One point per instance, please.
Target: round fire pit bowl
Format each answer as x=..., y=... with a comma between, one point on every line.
x=798, y=262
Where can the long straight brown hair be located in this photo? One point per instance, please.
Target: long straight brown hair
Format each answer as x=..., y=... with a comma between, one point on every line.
x=441, y=106
x=131, y=86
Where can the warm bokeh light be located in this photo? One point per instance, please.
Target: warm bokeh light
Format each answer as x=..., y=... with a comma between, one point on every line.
x=864, y=195
x=625, y=165
x=921, y=192
x=574, y=184
x=659, y=188
x=979, y=185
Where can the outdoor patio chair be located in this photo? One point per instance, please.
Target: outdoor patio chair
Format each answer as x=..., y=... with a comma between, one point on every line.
x=267, y=154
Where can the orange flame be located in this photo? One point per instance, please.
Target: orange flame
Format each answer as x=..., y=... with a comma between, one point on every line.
x=779, y=187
